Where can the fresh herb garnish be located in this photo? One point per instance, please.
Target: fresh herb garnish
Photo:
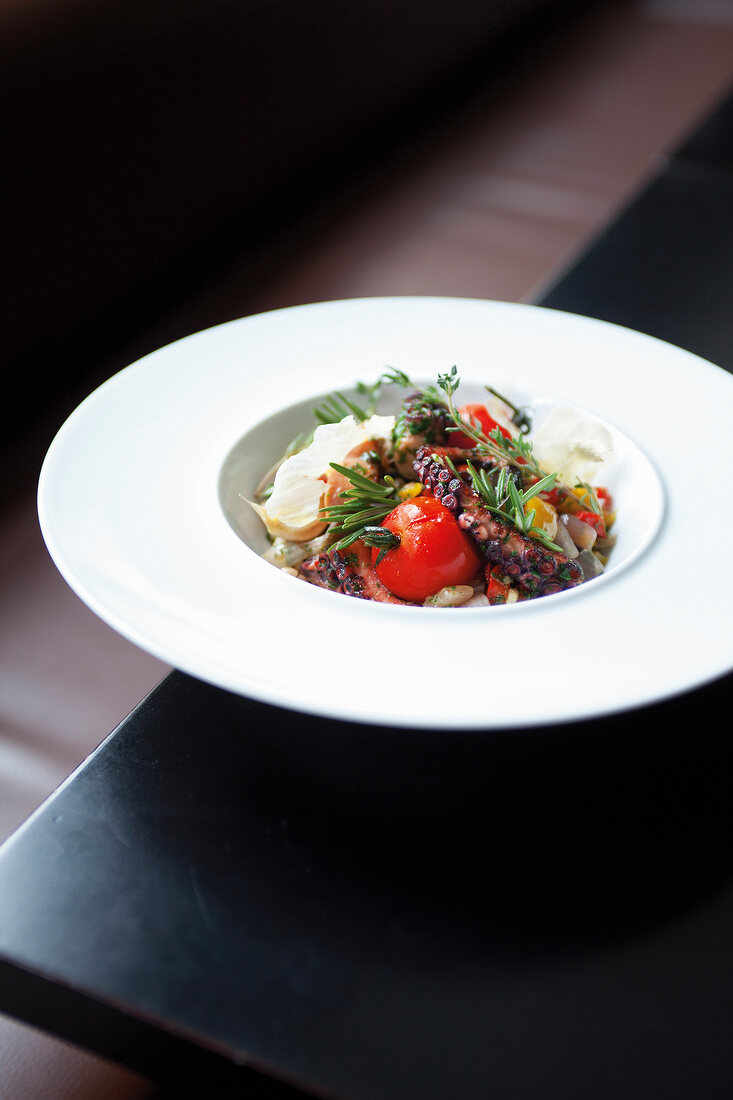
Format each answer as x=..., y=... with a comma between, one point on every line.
x=508, y=502
x=506, y=449
x=590, y=496
x=337, y=405
x=365, y=503
x=380, y=538
x=397, y=377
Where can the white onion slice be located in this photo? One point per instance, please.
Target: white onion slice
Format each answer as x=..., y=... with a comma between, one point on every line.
x=582, y=534
x=563, y=539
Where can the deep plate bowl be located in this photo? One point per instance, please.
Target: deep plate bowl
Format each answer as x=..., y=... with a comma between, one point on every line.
x=140, y=505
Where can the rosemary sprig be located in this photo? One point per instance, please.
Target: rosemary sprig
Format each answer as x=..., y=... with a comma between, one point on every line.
x=514, y=451
x=591, y=496
x=397, y=377
x=381, y=538
x=517, y=451
x=370, y=535
x=507, y=501
x=365, y=502
x=336, y=407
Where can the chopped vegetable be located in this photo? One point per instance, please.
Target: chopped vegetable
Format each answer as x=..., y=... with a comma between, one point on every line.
x=545, y=516
x=590, y=564
x=498, y=586
x=593, y=520
x=478, y=418
x=583, y=534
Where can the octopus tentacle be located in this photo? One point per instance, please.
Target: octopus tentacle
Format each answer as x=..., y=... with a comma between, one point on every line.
x=349, y=571
x=535, y=570
x=421, y=420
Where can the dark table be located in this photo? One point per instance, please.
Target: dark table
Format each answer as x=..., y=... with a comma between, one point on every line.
x=230, y=894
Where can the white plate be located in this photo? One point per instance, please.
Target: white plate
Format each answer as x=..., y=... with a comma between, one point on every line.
x=135, y=494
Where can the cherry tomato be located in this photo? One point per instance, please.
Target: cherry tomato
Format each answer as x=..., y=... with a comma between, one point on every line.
x=478, y=413
x=433, y=552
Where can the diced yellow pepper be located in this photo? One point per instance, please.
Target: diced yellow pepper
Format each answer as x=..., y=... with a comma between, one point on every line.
x=410, y=490
x=584, y=497
x=545, y=515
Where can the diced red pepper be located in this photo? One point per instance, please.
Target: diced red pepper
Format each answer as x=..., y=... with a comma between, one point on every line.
x=552, y=496
x=497, y=588
x=480, y=414
x=605, y=498
x=593, y=520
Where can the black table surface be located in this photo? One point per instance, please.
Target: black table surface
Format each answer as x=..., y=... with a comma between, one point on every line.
x=229, y=892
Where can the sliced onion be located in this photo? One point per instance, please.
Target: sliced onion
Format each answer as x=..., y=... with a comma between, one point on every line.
x=582, y=534
x=590, y=565
x=285, y=554
x=563, y=539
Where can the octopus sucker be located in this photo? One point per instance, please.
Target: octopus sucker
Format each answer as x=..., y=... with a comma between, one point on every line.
x=349, y=571
x=535, y=569
x=422, y=420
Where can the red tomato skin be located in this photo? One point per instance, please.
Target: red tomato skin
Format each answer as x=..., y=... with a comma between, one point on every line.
x=487, y=422
x=433, y=552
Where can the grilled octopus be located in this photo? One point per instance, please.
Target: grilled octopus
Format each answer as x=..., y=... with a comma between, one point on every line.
x=534, y=569
x=349, y=571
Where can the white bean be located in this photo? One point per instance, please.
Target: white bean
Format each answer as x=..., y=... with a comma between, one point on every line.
x=453, y=595
x=479, y=599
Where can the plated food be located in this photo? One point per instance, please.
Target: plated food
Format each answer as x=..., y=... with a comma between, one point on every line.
x=441, y=504
x=143, y=502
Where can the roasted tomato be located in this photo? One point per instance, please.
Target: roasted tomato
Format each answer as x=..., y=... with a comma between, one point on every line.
x=433, y=551
x=478, y=414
